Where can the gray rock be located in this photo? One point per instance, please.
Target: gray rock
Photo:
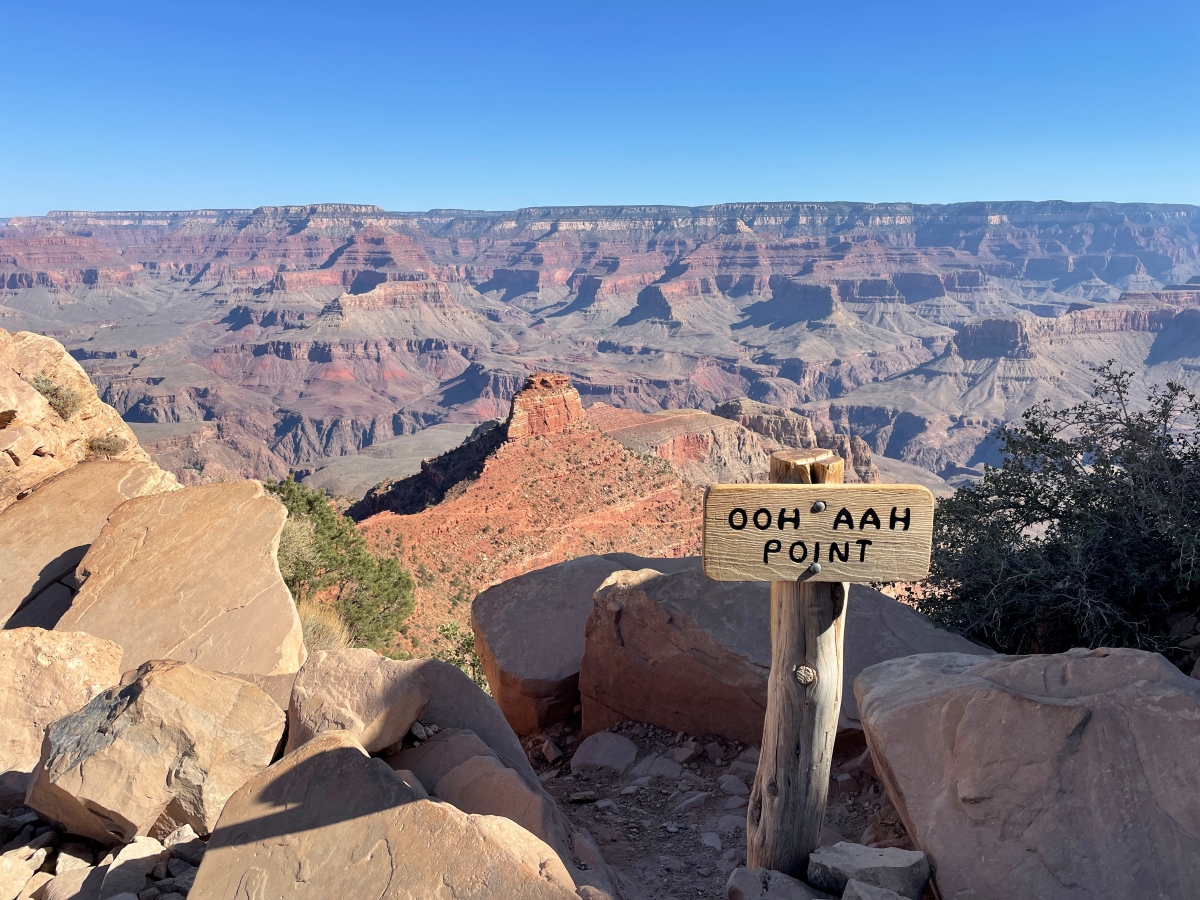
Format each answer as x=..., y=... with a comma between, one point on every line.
x=767, y=884
x=859, y=890
x=904, y=871
x=692, y=800
x=730, y=824
x=733, y=785
x=604, y=750
x=657, y=766
x=711, y=839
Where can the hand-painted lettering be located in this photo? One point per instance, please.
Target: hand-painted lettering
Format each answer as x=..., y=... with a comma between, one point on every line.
x=904, y=518
x=739, y=525
x=869, y=518
x=863, y=544
x=844, y=516
x=843, y=552
x=771, y=546
x=765, y=515
x=794, y=518
x=803, y=552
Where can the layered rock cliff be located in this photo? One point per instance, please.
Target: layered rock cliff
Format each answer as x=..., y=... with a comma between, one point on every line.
x=321, y=330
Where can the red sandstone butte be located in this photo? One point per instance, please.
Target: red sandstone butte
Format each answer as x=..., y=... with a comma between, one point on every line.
x=547, y=404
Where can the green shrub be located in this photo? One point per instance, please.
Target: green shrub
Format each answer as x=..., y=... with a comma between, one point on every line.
x=461, y=652
x=323, y=550
x=63, y=400
x=1087, y=535
x=104, y=447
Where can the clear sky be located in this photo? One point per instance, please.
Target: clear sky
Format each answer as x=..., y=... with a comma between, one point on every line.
x=170, y=105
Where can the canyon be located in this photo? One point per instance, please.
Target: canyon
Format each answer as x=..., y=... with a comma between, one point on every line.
x=253, y=343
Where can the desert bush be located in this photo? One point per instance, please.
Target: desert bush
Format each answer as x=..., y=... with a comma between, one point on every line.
x=460, y=652
x=63, y=400
x=323, y=551
x=104, y=447
x=1086, y=536
x=322, y=626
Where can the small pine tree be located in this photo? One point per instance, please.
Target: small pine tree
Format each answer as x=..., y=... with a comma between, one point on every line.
x=1088, y=535
x=324, y=550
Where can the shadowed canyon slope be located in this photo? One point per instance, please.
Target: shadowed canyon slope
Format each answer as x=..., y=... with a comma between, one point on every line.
x=251, y=342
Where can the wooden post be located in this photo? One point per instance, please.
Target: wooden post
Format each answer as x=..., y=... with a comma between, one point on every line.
x=804, y=693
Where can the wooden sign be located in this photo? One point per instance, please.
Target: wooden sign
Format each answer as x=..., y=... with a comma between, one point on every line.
x=817, y=532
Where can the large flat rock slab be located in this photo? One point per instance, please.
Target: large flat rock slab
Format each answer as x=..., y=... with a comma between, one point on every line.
x=44, y=675
x=1051, y=777
x=529, y=635
x=191, y=575
x=47, y=533
x=686, y=653
x=329, y=821
x=166, y=747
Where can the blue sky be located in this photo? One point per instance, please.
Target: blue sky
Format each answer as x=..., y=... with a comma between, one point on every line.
x=122, y=105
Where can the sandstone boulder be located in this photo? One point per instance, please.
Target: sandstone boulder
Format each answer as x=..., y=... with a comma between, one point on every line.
x=191, y=575
x=445, y=751
x=374, y=698
x=529, y=636
x=165, y=747
x=689, y=654
x=46, y=534
x=904, y=871
x=76, y=884
x=458, y=703
x=604, y=750
x=1064, y=776
x=128, y=871
x=43, y=676
x=329, y=821
x=14, y=874
x=767, y=884
x=36, y=441
x=859, y=890
x=483, y=785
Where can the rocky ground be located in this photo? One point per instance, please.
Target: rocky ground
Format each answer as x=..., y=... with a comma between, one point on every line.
x=677, y=832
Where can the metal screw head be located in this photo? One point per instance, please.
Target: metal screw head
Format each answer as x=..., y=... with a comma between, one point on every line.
x=805, y=674
x=819, y=506
x=815, y=568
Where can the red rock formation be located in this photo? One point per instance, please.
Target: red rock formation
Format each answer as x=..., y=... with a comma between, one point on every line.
x=558, y=490
x=706, y=449
x=547, y=404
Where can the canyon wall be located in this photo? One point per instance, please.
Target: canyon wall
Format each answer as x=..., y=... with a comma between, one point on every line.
x=279, y=337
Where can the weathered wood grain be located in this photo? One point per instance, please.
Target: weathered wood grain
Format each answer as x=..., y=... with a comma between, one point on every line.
x=780, y=532
x=787, y=802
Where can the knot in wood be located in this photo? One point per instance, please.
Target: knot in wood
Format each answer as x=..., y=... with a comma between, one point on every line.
x=805, y=674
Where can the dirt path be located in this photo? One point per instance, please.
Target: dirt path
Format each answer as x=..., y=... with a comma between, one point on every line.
x=679, y=833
